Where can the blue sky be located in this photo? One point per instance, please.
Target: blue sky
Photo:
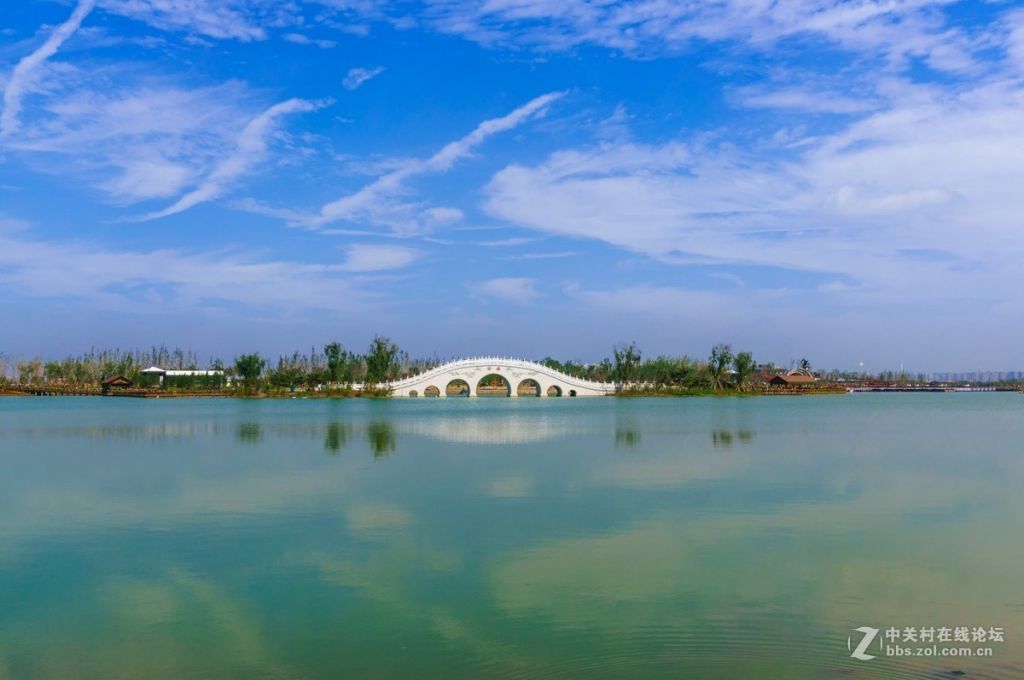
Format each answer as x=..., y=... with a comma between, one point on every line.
x=835, y=180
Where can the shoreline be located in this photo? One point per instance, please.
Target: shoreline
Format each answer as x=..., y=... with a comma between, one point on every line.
x=630, y=394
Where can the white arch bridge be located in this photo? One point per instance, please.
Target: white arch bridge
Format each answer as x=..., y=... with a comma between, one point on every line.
x=505, y=377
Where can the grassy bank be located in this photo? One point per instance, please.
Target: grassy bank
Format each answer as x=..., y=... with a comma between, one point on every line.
x=727, y=392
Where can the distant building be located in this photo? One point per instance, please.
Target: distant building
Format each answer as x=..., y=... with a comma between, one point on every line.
x=979, y=376
x=161, y=373
x=793, y=378
x=118, y=381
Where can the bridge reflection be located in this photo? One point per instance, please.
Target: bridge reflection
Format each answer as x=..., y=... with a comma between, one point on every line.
x=491, y=430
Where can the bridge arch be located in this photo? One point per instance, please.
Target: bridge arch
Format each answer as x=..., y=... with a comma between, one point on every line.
x=458, y=388
x=528, y=387
x=496, y=376
x=493, y=385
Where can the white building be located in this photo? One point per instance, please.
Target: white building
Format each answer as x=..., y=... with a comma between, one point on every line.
x=162, y=373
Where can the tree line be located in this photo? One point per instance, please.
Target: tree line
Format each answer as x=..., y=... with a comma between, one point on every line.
x=95, y=365
x=335, y=366
x=332, y=365
x=383, y=361
x=723, y=369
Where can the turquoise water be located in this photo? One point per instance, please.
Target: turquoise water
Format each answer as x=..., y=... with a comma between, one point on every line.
x=571, y=538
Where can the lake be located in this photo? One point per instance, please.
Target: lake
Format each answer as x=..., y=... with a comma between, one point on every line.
x=570, y=538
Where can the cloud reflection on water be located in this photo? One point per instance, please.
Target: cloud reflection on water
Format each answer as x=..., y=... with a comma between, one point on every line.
x=823, y=519
x=497, y=429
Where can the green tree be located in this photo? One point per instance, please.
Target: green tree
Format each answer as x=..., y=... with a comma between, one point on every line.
x=381, y=360
x=627, y=361
x=743, y=364
x=553, y=364
x=53, y=371
x=30, y=372
x=337, y=357
x=249, y=367
x=290, y=371
x=718, y=364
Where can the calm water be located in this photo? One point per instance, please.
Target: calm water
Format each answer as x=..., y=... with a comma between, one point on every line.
x=696, y=538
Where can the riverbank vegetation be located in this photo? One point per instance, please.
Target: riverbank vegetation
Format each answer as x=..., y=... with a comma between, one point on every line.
x=724, y=372
x=337, y=371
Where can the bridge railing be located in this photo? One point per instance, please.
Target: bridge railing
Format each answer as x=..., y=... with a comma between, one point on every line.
x=497, y=360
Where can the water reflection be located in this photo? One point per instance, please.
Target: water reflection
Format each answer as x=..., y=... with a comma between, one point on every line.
x=724, y=438
x=118, y=432
x=381, y=436
x=495, y=428
x=249, y=433
x=337, y=435
x=557, y=556
x=628, y=437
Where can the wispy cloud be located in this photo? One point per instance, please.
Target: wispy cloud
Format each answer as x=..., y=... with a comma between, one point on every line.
x=357, y=76
x=300, y=39
x=367, y=257
x=173, y=279
x=135, y=135
x=220, y=19
x=802, y=99
x=249, y=149
x=896, y=30
x=552, y=255
x=377, y=204
x=9, y=225
x=936, y=171
x=1013, y=23
x=27, y=69
x=507, y=242
x=521, y=291
x=658, y=300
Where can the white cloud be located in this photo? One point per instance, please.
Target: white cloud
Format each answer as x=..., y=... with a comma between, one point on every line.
x=897, y=30
x=549, y=255
x=300, y=39
x=378, y=202
x=136, y=137
x=357, y=76
x=250, y=148
x=859, y=201
x=506, y=242
x=148, y=178
x=514, y=289
x=170, y=279
x=938, y=171
x=659, y=301
x=9, y=225
x=27, y=69
x=221, y=19
x=802, y=99
x=440, y=216
x=1014, y=24
x=365, y=257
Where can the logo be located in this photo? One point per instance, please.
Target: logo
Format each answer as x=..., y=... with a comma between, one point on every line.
x=936, y=641
x=865, y=642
